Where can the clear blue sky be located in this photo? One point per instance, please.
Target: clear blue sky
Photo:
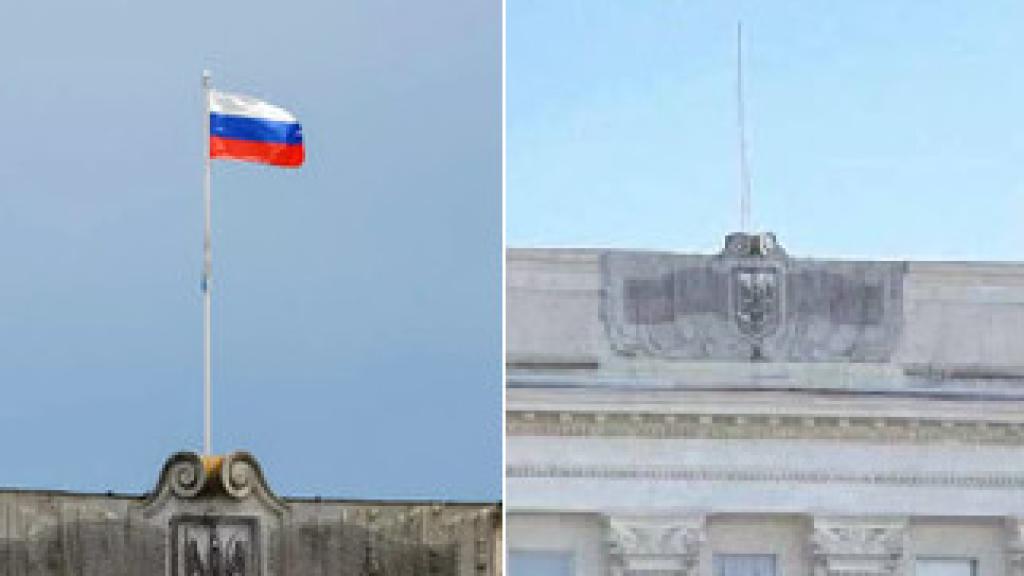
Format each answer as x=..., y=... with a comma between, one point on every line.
x=877, y=129
x=357, y=303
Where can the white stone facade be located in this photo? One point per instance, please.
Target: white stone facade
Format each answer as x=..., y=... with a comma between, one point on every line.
x=635, y=462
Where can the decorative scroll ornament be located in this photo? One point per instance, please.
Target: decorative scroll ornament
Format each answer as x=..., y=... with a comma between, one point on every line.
x=751, y=302
x=239, y=472
x=858, y=546
x=655, y=545
x=185, y=474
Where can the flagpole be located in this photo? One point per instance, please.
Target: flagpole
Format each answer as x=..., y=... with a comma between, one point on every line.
x=207, y=265
x=741, y=125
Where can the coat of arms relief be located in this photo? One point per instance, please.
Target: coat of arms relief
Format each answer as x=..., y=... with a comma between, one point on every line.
x=757, y=305
x=751, y=302
x=215, y=546
x=221, y=518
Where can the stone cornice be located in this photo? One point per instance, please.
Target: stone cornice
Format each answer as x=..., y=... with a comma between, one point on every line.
x=761, y=426
x=940, y=479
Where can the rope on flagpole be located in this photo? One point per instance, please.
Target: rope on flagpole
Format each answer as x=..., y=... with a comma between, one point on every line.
x=207, y=266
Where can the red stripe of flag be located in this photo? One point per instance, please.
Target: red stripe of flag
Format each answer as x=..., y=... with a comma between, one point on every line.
x=277, y=154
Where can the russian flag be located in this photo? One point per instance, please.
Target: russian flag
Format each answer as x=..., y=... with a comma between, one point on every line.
x=247, y=129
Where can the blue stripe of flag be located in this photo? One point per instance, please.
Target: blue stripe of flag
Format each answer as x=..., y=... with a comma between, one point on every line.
x=254, y=129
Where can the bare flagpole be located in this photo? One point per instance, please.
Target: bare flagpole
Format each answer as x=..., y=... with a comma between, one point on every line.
x=207, y=266
x=742, y=128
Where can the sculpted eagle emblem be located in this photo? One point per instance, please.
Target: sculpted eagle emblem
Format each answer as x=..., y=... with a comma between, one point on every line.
x=215, y=558
x=756, y=301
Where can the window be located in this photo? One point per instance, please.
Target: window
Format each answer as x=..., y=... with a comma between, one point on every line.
x=946, y=566
x=746, y=565
x=536, y=563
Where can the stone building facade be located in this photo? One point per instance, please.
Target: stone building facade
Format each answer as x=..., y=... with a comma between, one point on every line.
x=216, y=516
x=750, y=413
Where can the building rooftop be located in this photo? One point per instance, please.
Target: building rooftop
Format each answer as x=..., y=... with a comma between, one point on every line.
x=754, y=317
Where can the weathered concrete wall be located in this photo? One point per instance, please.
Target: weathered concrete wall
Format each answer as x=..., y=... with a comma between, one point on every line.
x=679, y=319
x=53, y=533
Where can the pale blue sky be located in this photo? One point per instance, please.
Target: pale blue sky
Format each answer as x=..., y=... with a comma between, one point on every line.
x=357, y=305
x=877, y=128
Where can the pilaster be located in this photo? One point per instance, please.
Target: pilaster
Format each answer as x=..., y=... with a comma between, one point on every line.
x=1015, y=546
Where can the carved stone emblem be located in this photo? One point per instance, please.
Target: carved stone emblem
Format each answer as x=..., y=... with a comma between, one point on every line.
x=214, y=546
x=751, y=302
x=756, y=301
x=221, y=518
x=655, y=545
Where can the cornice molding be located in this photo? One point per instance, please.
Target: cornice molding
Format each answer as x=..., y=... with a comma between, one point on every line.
x=760, y=426
x=944, y=479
